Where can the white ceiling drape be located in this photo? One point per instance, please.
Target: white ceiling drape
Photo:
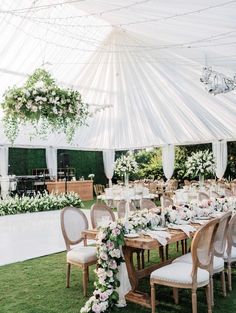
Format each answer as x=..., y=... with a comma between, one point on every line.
x=168, y=160
x=109, y=163
x=220, y=153
x=142, y=57
x=4, y=151
x=51, y=160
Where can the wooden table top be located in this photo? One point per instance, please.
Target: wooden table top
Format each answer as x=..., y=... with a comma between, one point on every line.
x=143, y=241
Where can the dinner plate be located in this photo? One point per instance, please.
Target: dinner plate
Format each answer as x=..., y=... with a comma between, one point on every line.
x=183, y=222
x=131, y=235
x=159, y=228
x=203, y=218
x=174, y=226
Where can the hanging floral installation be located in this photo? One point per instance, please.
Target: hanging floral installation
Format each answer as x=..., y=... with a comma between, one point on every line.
x=45, y=105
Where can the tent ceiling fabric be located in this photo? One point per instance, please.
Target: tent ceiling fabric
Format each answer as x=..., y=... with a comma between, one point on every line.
x=143, y=57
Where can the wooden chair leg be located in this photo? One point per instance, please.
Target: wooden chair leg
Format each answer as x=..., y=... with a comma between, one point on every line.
x=177, y=246
x=223, y=283
x=167, y=252
x=138, y=261
x=186, y=245
x=142, y=256
x=229, y=277
x=85, y=280
x=68, y=275
x=208, y=298
x=194, y=301
x=182, y=247
x=161, y=253
x=176, y=295
x=153, y=297
x=212, y=290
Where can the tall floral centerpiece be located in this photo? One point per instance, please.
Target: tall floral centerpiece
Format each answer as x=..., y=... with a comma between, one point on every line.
x=125, y=165
x=199, y=164
x=45, y=105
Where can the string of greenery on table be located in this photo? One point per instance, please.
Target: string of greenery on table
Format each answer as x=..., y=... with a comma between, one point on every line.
x=40, y=202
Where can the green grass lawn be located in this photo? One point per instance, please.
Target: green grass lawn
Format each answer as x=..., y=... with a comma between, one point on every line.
x=38, y=286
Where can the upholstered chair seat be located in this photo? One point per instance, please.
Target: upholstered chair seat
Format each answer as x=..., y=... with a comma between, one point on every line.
x=180, y=273
x=82, y=254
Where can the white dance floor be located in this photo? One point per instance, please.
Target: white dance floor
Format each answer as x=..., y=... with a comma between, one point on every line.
x=27, y=236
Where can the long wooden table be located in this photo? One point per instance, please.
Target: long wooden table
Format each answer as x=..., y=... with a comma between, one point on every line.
x=146, y=243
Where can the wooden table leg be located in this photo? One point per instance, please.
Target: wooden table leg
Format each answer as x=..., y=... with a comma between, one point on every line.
x=134, y=276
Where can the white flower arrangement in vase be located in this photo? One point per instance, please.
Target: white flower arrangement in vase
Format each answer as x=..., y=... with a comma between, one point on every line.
x=125, y=165
x=200, y=163
x=91, y=176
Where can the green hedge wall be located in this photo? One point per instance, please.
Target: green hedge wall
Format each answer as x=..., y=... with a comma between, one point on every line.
x=85, y=163
x=22, y=161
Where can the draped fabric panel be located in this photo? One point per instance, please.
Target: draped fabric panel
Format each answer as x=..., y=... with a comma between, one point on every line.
x=168, y=160
x=4, y=152
x=110, y=52
x=220, y=153
x=109, y=161
x=51, y=160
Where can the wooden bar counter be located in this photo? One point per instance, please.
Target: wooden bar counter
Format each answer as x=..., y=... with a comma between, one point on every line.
x=83, y=187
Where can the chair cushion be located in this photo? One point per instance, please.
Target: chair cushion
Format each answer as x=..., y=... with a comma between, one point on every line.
x=233, y=254
x=82, y=254
x=218, y=263
x=180, y=273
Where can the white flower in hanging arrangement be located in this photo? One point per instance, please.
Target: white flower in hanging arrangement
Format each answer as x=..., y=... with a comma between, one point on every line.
x=45, y=105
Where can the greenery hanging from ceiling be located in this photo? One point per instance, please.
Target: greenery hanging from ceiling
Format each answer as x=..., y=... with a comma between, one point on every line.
x=45, y=105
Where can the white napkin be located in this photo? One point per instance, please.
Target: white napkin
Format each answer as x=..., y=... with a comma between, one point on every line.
x=201, y=222
x=186, y=229
x=159, y=235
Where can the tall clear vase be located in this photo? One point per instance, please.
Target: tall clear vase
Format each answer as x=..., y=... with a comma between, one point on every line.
x=126, y=179
x=201, y=181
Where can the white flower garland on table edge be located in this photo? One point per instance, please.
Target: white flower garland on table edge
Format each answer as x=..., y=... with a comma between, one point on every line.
x=110, y=239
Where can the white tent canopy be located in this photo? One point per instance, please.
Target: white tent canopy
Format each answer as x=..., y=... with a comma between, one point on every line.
x=143, y=57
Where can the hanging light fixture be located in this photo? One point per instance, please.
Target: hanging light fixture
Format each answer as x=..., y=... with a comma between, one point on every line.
x=215, y=82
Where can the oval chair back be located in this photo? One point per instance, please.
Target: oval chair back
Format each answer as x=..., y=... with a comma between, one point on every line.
x=203, y=196
x=202, y=248
x=121, y=208
x=166, y=201
x=221, y=234
x=147, y=204
x=100, y=212
x=73, y=222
